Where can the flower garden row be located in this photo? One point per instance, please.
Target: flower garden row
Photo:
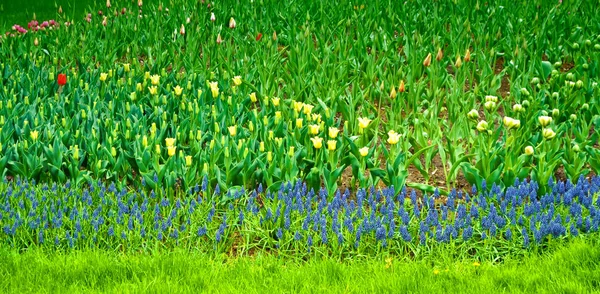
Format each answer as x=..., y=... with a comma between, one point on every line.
x=297, y=220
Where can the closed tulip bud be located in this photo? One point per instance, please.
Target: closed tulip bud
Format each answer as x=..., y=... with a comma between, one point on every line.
x=524, y=92
x=271, y=135
x=261, y=146
x=570, y=76
x=253, y=97
x=113, y=151
x=401, y=88
x=439, y=55
x=576, y=148
x=535, y=81
x=292, y=151
x=274, y=35
x=529, y=150
x=585, y=106
x=76, y=152
x=212, y=17
x=269, y=156
x=473, y=114
x=482, y=126
x=555, y=112
x=393, y=93
x=579, y=84
x=468, y=55
x=491, y=98
x=458, y=62
x=299, y=123
x=188, y=160
x=331, y=144
x=182, y=30
x=34, y=135
x=232, y=23
x=427, y=60
x=219, y=39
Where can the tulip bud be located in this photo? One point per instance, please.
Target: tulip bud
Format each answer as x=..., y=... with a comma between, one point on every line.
x=482, y=126
x=576, y=148
x=544, y=120
x=401, y=88
x=468, y=55
x=439, y=55
x=232, y=23
x=393, y=93
x=555, y=112
x=517, y=108
x=529, y=150
x=427, y=60
x=548, y=133
x=473, y=114
x=458, y=62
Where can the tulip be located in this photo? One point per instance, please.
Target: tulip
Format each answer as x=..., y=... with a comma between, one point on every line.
x=482, y=126
x=511, y=123
x=178, y=90
x=439, y=55
x=259, y=36
x=468, y=55
x=103, y=76
x=237, y=80
x=219, y=40
x=363, y=122
x=170, y=142
x=155, y=79
x=107, y=4
x=473, y=114
x=153, y=90
x=253, y=97
x=393, y=137
x=232, y=23
x=331, y=144
x=214, y=88
x=182, y=30
x=458, y=62
x=188, y=160
x=427, y=60
x=518, y=108
x=317, y=142
x=298, y=106
x=34, y=135
x=62, y=79
x=274, y=36
x=171, y=151
x=275, y=101
x=76, y=152
x=548, y=133
x=232, y=131
x=307, y=108
x=313, y=129
x=299, y=123
x=401, y=88
x=212, y=17
x=333, y=132
x=364, y=151
x=491, y=98
x=489, y=105
x=544, y=120
x=529, y=150
x=393, y=93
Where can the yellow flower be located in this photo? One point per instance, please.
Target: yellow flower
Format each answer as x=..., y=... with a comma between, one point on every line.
x=491, y=98
x=157, y=149
x=237, y=80
x=153, y=90
x=232, y=130
x=298, y=106
x=473, y=114
x=275, y=101
x=364, y=151
x=155, y=79
x=214, y=88
x=34, y=135
x=171, y=150
x=307, y=108
x=313, y=129
x=476, y=264
x=278, y=115
x=145, y=141
x=188, y=160
x=178, y=90
x=394, y=137
x=126, y=67
x=317, y=142
x=548, y=133
x=316, y=117
x=331, y=144
x=170, y=142
x=511, y=122
x=333, y=132
x=261, y=147
x=482, y=126
x=76, y=152
x=363, y=122
x=393, y=93
x=113, y=151
x=436, y=271
x=253, y=97
x=269, y=156
x=299, y=123
x=529, y=150
x=103, y=76
x=544, y=120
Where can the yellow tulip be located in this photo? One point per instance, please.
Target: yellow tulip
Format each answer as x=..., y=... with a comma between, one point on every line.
x=155, y=79
x=363, y=122
x=331, y=144
x=253, y=97
x=393, y=137
x=103, y=76
x=153, y=90
x=170, y=142
x=275, y=101
x=364, y=151
x=299, y=123
x=544, y=120
x=317, y=142
x=529, y=150
x=214, y=88
x=178, y=90
x=232, y=131
x=333, y=132
x=188, y=160
x=298, y=106
x=548, y=133
x=237, y=80
x=34, y=135
x=313, y=129
x=171, y=150
x=307, y=108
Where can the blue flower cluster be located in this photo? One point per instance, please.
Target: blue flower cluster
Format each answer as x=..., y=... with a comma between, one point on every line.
x=294, y=218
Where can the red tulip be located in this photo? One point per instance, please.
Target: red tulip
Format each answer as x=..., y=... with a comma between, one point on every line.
x=259, y=36
x=62, y=79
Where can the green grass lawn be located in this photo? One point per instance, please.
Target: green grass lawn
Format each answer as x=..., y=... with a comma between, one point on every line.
x=573, y=268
